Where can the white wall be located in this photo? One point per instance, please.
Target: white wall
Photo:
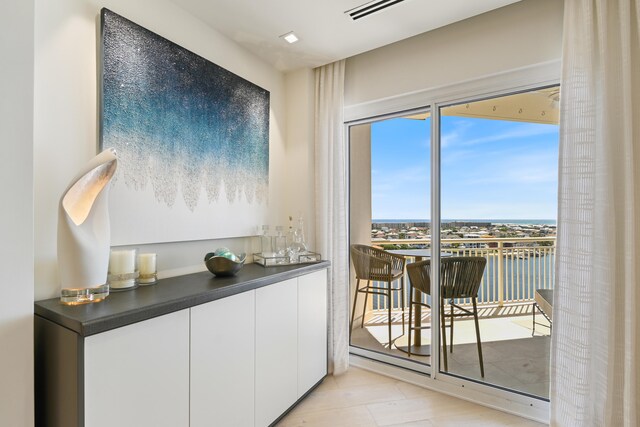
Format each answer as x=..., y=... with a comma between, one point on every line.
x=16, y=215
x=65, y=117
x=522, y=34
x=300, y=97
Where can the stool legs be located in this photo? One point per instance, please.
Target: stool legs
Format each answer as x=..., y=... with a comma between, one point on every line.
x=410, y=319
x=533, y=333
x=386, y=292
x=475, y=317
x=444, y=335
x=355, y=300
x=402, y=301
x=364, y=308
x=451, y=340
x=389, y=305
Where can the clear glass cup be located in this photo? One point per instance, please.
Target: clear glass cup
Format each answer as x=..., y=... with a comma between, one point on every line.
x=280, y=241
x=266, y=242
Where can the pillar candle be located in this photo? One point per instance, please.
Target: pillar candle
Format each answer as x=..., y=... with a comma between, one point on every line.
x=122, y=261
x=147, y=263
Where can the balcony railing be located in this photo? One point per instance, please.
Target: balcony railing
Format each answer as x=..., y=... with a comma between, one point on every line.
x=516, y=267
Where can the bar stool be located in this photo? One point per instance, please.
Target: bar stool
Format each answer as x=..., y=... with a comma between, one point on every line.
x=460, y=278
x=373, y=264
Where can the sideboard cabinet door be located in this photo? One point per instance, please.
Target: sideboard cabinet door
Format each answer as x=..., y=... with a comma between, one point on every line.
x=312, y=330
x=138, y=375
x=222, y=362
x=276, y=350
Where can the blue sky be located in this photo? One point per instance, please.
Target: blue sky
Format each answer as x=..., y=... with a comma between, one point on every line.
x=491, y=169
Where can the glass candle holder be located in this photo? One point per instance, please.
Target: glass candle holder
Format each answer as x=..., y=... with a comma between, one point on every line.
x=123, y=270
x=77, y=296
x=147, y=267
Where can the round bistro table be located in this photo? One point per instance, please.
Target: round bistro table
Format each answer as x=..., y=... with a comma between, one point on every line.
x=417, y=347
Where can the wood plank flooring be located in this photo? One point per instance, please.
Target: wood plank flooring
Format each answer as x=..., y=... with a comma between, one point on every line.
x=359, y=398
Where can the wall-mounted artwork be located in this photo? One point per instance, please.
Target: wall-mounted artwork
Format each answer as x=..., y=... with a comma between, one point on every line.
x=192, y=140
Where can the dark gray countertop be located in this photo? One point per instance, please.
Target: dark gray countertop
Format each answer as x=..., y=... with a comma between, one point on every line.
x=169, y=295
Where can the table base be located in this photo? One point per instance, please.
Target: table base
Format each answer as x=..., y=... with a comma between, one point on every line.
x=422, y=350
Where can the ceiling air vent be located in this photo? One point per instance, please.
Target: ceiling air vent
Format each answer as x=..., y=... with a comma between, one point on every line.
x=371, y=7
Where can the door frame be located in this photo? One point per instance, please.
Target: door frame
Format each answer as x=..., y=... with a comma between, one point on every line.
x=499, y=84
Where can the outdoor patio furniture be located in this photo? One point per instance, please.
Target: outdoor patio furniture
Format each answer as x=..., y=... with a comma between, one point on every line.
x=375, y=265
x=420, y=281
x=543, y=302
x=418, y=348
x=460, y=278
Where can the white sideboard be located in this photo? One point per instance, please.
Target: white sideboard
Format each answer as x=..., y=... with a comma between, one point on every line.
x=240, y=360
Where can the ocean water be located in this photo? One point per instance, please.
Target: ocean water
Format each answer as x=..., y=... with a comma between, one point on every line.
x=492, y=221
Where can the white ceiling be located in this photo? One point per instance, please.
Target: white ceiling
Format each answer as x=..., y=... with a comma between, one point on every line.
x=326, y=33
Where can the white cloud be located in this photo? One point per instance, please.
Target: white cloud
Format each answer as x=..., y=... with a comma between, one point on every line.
x=523, y=130
x=512, y=169
x=455, y=132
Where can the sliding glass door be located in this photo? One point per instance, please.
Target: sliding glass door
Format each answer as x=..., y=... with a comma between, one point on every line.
x=498, y=175
x=389, y=191
x=467, y=197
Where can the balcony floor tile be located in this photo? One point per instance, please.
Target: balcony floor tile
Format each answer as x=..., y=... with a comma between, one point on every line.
x=513, y=358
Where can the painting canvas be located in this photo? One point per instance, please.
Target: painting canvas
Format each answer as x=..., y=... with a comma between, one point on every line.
x=192, y=140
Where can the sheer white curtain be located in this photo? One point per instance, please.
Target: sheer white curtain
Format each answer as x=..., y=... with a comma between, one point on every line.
x=596, y=331
x=331, y=204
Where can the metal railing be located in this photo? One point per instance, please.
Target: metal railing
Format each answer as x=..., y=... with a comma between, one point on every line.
x=516, y=267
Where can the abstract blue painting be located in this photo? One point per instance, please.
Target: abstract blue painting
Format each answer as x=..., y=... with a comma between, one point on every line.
x=192, y=139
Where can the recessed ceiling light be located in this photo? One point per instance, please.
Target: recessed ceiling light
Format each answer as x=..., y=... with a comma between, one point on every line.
x=290, y=37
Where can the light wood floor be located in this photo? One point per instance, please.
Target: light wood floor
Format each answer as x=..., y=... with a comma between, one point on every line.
x=361, y=398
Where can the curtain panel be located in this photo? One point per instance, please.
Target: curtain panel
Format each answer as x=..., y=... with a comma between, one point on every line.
x=596, y=330
x=331, y=205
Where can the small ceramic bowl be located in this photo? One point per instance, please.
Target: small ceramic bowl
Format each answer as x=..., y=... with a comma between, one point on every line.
x=222, y=266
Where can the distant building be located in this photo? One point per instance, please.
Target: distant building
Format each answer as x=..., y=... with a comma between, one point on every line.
x=458, y=224
x=399, y=225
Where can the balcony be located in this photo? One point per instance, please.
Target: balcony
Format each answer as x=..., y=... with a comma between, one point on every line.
x=514, y=356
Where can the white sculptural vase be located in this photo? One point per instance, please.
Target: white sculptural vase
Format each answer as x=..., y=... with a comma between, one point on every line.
x=84, y=234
